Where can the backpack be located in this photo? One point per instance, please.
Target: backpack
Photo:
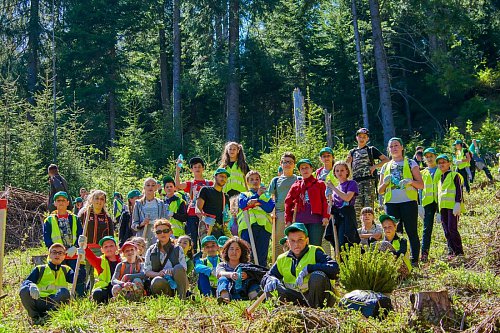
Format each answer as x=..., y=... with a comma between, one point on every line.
x=370, y=303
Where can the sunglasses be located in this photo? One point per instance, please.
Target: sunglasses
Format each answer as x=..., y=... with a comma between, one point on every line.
x=287, y=162
x=165, y=231
x=57, y=253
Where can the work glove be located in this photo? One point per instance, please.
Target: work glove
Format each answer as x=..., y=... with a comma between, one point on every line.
x=404, y=182
x=438, y=218
x=82, y=241
x=34, y=291
x=170, y=214
x=81, y=252
x=271, y=284
x=300, y=278
x=209, y=220
x=457, y=162
x=456, y=209
x=421, y=212
x=71, y=251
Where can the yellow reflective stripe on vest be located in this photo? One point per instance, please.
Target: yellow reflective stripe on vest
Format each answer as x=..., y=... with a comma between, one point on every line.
x=119, y=208
x=105, y=277
x=236, y=181
x=429, y=193
x=177, y=226
x=406, y=257
x=52, y=281
x=55, y=234
x=284, y=265
x=212, y=279
x=411, y=193
x=256, y=215
x=460, y=156
x=447, y=191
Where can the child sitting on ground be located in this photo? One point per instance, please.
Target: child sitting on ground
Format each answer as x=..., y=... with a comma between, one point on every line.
x=129, y=274
x=140, y=243
x=369, y=231
x=207, y=280
x=186, y=243
x=392, y=242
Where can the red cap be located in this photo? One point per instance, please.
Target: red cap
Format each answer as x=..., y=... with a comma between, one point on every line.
x=3, y=203
x=127, y=244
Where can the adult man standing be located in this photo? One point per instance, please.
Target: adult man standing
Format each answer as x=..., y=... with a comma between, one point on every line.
x=302, y=275
x=212, y=206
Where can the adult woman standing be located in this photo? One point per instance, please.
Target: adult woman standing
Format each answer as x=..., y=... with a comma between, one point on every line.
x=232, y=284
x=399, y=181
x=165, y=263
x=146, y=211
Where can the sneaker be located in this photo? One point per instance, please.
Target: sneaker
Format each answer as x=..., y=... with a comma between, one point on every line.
x=424, y=257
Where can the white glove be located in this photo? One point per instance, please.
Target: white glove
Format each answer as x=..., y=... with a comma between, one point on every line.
x=438, y=218
x=170, y=214
x=457, y=162
x=456, y=209
x=404, y=182
x=34, y=291
x=71, y=251
x=300, y=278
x=81, y=252
x=421, y=212
x=271, y=285
x=82, y=241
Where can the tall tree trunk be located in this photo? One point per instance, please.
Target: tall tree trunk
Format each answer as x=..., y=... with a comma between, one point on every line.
x=362, y=85
x=177, y=116
x=164, y=89
x=384, y=85
x=406, y=102
x=233, y=89
x=33, y=48
x=112, y=102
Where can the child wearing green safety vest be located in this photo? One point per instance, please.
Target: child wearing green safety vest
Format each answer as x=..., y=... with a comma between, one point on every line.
x=64, y=227
x=48, y=285
x=461, y=160
x=104, y=266
x=117, y=205
x=399, y=245
x=431, y=176
x=234, y=161
x=128, y=277
x=450, y=202
x=176, y=207
x=206, y=267
x=255, y=207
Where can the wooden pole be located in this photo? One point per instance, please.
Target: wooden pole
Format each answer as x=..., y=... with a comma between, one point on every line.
x=3, y=227
x=249, y=311
x=250, y=234
x=79, y=260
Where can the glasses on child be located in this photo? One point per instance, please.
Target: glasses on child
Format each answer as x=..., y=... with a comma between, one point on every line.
x=165, y=231
x=285, y=162
x=57, y=253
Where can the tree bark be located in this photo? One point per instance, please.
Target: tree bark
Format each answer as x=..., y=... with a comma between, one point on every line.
x=233, y=89
x=384, y=84
x=362, y=85
x=164, y=89
x=112, y=102
x=33, y=48
x=431, y=306
x=176, y=83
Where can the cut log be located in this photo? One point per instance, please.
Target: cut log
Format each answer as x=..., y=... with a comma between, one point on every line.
x=431, y=306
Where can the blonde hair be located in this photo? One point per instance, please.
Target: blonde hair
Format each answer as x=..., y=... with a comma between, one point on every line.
x=89, y=202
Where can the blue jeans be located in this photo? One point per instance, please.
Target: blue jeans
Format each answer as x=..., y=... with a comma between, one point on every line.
x=204, y=286
x=316, y=232
x=261, y=238
x=225, y=284
x=192, y=230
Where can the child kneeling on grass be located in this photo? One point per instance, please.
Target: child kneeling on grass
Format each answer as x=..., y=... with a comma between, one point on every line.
x=128, y=277
x=395, y=244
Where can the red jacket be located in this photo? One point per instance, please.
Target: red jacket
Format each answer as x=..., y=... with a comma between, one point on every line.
x=316, y=190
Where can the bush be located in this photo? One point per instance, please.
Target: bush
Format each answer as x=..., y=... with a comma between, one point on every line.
x=371, y=270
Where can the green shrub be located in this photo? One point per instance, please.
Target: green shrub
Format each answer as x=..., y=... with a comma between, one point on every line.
x=371, y=270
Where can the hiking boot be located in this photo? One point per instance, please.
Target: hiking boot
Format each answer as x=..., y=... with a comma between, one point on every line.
x=425, y=256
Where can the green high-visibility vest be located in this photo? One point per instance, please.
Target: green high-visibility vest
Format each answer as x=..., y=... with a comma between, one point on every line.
x=236, y=181
x=104, y=278
x=55, y=233
x=212, y=279
x=119, y=209
x=284, y=265
x=51, y=281
x=406, y=258
x=177, y=226
x=411, y=193
x=256, y=215
x=429, y=193
x=460, y=155
x=447, y=191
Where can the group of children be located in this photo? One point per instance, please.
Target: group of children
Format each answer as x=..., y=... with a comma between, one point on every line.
x=160, y=235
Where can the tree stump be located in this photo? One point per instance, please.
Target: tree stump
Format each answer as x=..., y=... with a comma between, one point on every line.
x=431, y=306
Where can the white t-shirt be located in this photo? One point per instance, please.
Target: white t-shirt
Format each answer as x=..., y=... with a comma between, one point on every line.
x=398, y=194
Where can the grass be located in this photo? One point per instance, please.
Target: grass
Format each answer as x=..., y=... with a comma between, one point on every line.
x=474, y=287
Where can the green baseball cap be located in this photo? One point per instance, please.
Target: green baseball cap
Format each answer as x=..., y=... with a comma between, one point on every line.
x=207, y=239
x=107, y=238
x=384, y=217
x=116, y=194
x=458, y=142
x=297, y=226
x=133, y=194
x=221, y=170
x=78, y=199
x=61, y=194
x=430, y=150
x=222, y=240
x=283, y=240
x=304, y=161
x=397, y=139
x=326, y=150
x=442, y=157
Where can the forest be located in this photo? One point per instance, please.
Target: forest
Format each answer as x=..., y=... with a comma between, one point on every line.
x=131, y=84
